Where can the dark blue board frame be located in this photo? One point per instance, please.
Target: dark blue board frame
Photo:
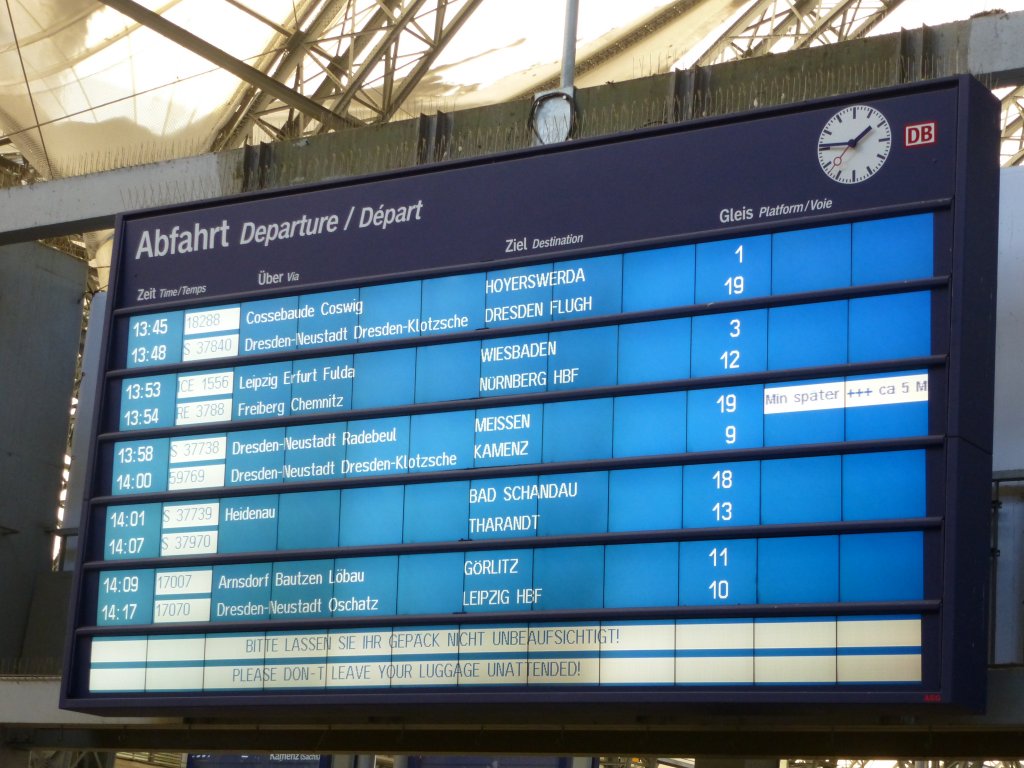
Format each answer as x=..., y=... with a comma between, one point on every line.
x=700, y=182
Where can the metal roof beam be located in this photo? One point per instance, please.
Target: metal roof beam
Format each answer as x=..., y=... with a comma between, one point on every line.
x=442, y=34
x=344, y=63
x=785, y=23
x=377, y=44
x=224, y=60
x=805, y=22
x=752, y=19
x=391, y=33
x=843, y=20
x=255, y=100
x=1013, y=127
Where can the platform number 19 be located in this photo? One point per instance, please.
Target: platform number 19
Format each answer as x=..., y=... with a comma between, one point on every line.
x=734, y=283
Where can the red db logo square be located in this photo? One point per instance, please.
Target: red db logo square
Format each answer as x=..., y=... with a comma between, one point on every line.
x=919, y=134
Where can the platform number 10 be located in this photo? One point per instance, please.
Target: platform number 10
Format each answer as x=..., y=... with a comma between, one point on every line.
x=719, y=587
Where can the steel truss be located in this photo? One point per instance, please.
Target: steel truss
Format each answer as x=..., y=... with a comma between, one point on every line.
x=360, y=59
x=331, y=64
x=776, y=26
x=345, y=63
x=1012, y=150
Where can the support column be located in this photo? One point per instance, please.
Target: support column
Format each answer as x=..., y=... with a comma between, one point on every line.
x=40, y=330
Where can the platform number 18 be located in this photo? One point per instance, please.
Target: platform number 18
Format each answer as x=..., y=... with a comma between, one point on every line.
x=722, y=509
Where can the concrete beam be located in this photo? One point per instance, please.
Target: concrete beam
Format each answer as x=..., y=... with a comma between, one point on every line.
x=88, y=203
x=992, y=48
x=32, y=702
x=987, y=47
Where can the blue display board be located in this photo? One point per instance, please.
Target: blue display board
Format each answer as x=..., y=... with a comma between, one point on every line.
x=700, y=414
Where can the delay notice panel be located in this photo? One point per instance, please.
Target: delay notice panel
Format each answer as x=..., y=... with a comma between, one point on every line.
x=698, y=414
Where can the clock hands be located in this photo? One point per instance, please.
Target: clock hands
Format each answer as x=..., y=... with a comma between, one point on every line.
x=855, y=141
x=850, y=144
x=864, y=150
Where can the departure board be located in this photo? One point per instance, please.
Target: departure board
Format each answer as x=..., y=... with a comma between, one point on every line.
x=701, y=413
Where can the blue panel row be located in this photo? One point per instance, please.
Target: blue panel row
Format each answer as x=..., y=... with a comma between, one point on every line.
x=829, y=333
x=822, y=489
x=792, y=262
x=803, y=569
x=749, y=416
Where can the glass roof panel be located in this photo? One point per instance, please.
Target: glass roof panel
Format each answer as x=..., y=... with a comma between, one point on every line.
x=84, y=88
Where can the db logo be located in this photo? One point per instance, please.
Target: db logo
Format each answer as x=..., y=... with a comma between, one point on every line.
x=919, y=134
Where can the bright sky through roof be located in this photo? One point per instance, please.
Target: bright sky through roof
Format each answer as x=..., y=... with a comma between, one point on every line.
x=501, y=37
x=134, y=87
x=914, y=13
x=504, y=37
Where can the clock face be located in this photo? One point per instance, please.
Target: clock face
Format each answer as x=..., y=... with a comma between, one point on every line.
x=854, y=144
